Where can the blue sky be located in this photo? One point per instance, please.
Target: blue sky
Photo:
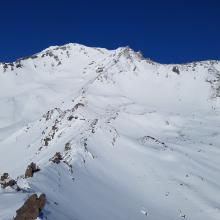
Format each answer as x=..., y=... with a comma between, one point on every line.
x=165, y=31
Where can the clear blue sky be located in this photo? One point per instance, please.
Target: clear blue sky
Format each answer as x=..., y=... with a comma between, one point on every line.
x=166, y=31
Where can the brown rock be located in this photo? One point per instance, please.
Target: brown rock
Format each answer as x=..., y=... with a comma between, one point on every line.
x=31, y=169
x=31, y=208
x=42, y=201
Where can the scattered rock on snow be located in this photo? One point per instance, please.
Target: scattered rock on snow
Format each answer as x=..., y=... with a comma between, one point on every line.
x=151, y=140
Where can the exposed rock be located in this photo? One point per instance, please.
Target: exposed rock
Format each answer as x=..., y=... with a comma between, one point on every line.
x=42, y=201
x=46, y=141
x=31, y=169
x=18, y=64
x=176, y=70
x=146, y=140
x=6, y=181
x=57, y=158
x=31, y=208
x=10, y=183
x=78, y=105
x=67, y=146
x=70, y=117
x=4, y=176
x=100, y=69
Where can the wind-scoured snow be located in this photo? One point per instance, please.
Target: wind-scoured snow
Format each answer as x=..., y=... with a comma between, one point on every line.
x=139, y=140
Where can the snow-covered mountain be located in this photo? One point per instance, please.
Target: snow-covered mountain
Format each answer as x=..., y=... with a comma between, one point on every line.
x=137, y=139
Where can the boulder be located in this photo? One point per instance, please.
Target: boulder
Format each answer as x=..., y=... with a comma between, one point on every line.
x=42, y=201
x=31, y=169
x=31, y=208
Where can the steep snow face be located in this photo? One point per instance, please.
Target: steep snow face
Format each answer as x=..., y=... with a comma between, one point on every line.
x=139, y=140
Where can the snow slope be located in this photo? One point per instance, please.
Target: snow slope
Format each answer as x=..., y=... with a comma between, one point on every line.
x=139, y=140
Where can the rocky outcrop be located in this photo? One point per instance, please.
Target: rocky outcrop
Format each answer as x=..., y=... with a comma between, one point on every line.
x=176, y=70
x=67, y=146
x=31, y=169
x=31, y=208
x=4, y=176
x=6, y=181
x=56, y=158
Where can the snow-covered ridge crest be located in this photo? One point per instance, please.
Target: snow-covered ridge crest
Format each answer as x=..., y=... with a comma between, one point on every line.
x=78, y=48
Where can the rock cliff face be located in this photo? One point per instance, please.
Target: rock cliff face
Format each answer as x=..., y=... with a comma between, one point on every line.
x=108, y=134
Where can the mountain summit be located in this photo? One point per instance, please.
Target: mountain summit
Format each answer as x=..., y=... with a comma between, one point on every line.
x=108, y=134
